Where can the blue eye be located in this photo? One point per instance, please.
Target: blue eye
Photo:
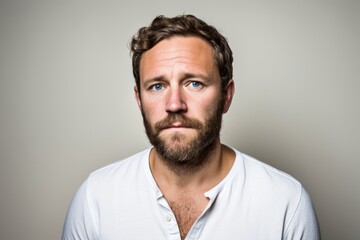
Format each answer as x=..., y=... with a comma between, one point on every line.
x=195, y=84
x=157, y=87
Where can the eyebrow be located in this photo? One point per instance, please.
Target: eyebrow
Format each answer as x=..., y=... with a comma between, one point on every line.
x=195, y=75
x=183, y=76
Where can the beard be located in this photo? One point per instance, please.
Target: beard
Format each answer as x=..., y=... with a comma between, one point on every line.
x=179, y=152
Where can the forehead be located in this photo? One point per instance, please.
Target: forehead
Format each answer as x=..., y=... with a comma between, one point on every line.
x=188, y=53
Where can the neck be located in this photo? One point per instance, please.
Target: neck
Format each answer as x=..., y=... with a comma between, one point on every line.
x=216, y=164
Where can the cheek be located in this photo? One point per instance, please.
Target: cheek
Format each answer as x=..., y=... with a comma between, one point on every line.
x=204, y=107
x=152, y=111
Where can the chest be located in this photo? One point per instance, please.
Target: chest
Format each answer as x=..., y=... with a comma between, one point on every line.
x=187, y=209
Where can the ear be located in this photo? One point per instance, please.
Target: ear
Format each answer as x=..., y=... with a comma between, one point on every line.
x=229, y=93
x=137, y=96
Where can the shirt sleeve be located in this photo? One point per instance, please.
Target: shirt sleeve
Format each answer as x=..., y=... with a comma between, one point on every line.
x=79, y=223
x=304, y=224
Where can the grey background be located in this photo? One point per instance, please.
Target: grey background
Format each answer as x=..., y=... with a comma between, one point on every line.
x=67, y=104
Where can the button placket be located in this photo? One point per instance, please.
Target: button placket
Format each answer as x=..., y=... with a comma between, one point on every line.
x=168, y=218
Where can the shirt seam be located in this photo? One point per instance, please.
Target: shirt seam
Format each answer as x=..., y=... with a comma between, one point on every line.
x=295, y=211
x=96, y=227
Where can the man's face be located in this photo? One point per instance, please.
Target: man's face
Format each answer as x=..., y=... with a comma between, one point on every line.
x=181, y=98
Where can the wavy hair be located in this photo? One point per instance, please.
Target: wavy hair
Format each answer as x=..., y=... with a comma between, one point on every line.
x=183, y=25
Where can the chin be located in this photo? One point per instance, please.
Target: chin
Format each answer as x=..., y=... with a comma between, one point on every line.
x=179, y=140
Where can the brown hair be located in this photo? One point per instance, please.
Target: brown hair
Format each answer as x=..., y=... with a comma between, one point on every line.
x=184, y=25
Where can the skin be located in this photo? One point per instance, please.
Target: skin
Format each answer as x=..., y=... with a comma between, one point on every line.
x=179, y=75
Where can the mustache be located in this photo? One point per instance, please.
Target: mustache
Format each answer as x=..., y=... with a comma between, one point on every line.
x=168, y=121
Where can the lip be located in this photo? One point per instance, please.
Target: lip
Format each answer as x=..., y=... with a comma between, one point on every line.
x=177, y=125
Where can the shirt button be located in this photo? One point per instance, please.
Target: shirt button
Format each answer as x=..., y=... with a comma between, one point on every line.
x=168, y=218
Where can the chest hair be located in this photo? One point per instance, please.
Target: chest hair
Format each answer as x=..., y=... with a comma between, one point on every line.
x=186, y=211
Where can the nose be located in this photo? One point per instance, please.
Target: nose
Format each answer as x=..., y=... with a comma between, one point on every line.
x=175, y=100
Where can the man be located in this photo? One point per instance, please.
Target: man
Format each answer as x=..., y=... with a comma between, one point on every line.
x=188, y=185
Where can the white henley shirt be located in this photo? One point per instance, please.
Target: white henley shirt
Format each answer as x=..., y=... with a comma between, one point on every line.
x=254, y=201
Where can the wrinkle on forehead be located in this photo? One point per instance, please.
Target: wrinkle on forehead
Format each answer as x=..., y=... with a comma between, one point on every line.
x=187, y=52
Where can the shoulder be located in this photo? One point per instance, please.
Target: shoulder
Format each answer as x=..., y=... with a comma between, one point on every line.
x=266, y=182
x=278, y=196
x=259, y=172
x=99, y=191
x=116, y=173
